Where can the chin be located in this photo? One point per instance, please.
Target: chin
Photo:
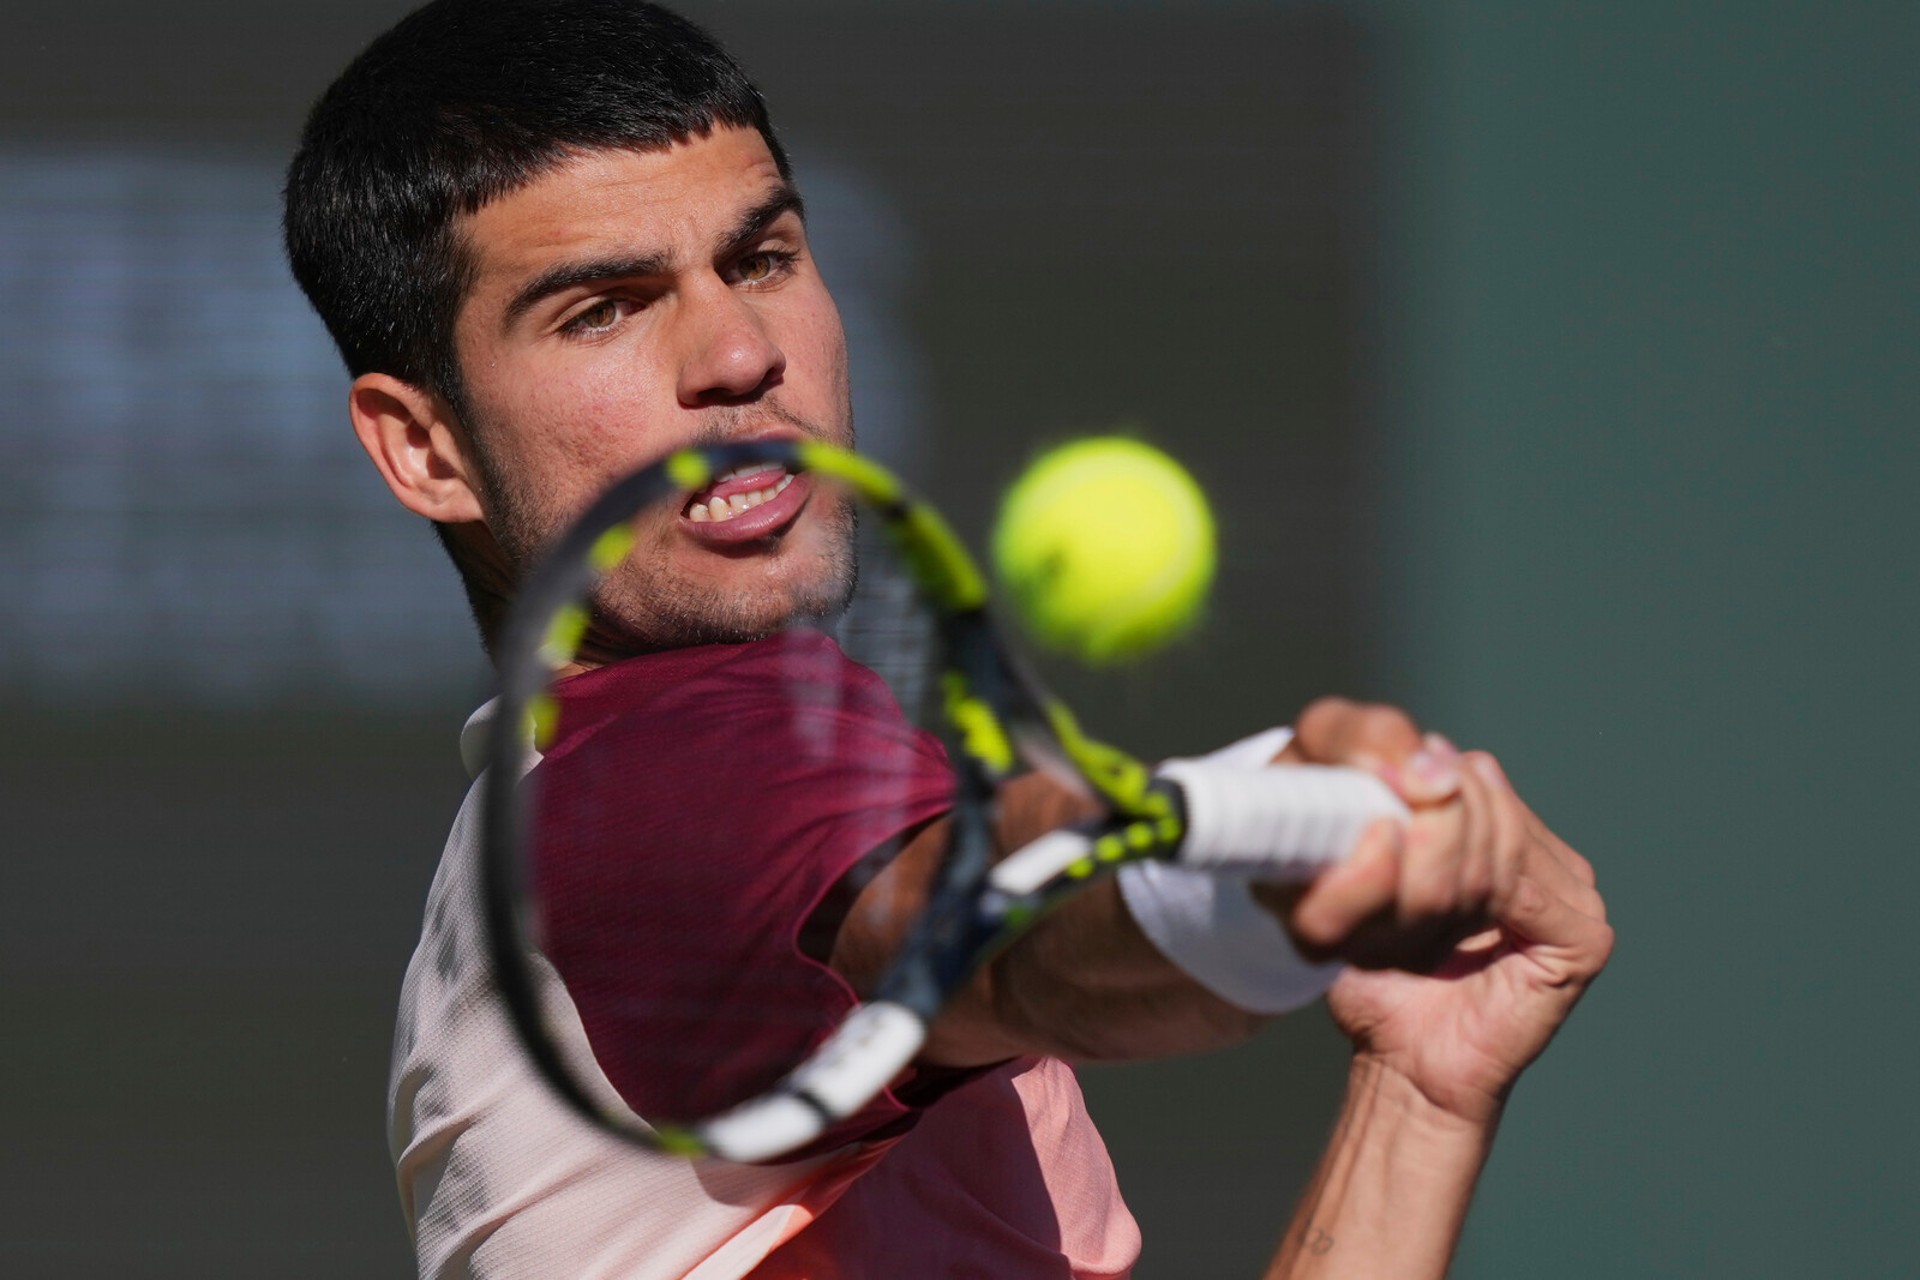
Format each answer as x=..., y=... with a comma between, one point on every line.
x=671, y=594
x=667, y=609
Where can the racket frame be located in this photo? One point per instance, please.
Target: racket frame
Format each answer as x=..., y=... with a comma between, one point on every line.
x=1000, y=723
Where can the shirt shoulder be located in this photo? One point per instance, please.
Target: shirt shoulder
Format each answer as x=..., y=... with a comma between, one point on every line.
x=498, y=1177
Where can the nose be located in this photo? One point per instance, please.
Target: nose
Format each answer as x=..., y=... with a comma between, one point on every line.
x=730, y=355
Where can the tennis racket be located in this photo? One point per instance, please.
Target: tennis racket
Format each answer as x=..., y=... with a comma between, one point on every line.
x=573, y=955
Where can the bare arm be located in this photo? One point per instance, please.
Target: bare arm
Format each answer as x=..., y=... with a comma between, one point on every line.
x=1436, y=1054
x=1086, y=984
x=1391, y=1191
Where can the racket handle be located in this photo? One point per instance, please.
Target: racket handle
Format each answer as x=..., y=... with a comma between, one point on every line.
x=1281, y=823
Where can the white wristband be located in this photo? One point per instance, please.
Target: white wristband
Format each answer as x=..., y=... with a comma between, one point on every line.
x=1210, y=927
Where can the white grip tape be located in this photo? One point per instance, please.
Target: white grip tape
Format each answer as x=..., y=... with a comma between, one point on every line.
x=1245, y=822
x=1282, y=823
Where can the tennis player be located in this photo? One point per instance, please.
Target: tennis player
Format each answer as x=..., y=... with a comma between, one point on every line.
x=554, y=239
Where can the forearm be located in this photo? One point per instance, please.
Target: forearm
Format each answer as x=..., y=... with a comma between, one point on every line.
x=1085, y=985
x=1392, y=1190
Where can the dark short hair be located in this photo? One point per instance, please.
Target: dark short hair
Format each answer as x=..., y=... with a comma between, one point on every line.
x=460, y=103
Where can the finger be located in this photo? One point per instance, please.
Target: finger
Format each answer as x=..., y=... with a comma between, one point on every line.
x=1430, y=776
x=1546, y=860
x=1334, y=729
x=1569, y=943
x=1381, y=739
x=1564, y=867
x=1560, y=849
x=1491, y=831
x=1347, y=894
x=1568, y=856
x=1481, y=829
x=1547, y=845
x=1437, y=841
x=1560, y=879
x=1495, y=863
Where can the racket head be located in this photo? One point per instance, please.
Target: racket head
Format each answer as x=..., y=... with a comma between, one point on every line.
x=587, y=953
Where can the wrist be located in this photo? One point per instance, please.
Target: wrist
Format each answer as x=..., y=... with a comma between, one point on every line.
x=1465, y=1119
x=1391, y=1193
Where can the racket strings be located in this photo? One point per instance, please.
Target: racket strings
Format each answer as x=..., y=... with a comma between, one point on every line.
x=802, y=767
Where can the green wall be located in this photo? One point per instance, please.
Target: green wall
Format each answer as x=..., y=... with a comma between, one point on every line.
x=1653, y=363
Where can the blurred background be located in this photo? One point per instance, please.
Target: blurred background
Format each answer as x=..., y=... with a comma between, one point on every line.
x=1553, y=367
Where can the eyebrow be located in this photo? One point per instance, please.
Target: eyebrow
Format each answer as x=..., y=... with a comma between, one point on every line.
x=750, y=226
x=753, y=224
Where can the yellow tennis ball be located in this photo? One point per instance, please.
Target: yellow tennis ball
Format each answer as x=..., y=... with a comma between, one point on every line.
x=1107, y=547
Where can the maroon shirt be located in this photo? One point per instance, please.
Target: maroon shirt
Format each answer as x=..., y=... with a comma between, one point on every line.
x=711, y=801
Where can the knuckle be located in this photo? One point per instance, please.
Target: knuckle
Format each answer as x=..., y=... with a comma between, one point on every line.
x=1580, y=867
x=1602, y=946
x=1337, y=724
x=1378, y=723
x=1329, y=704
x=1323, y=716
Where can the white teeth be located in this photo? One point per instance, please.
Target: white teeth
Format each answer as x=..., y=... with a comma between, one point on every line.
x=722, y=509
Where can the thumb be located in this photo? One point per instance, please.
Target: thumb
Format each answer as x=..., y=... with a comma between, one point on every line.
x=1569, y=944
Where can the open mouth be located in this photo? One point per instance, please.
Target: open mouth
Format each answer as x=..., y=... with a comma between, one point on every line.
x=748, y=503
x=738, y=492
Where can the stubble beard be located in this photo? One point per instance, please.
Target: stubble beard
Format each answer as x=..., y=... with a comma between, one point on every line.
x=651, y=603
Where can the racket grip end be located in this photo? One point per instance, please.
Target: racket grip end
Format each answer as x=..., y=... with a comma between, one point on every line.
x=764, y=1129
x=849, y=1069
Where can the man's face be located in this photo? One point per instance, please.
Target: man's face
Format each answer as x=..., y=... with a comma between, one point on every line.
x=630, y=303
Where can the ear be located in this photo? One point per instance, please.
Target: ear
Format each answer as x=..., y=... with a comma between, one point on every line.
x=420, y=449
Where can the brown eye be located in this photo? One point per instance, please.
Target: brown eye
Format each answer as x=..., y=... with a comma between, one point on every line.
x=599, y=316
x=768, y=267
